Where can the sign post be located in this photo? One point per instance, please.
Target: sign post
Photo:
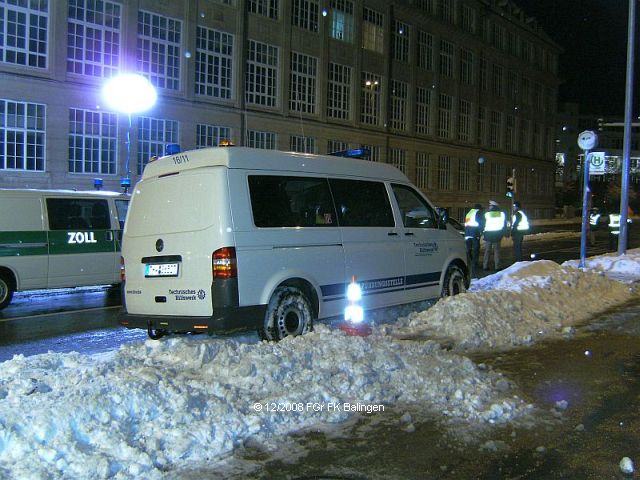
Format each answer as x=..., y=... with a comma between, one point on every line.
x=587, y=141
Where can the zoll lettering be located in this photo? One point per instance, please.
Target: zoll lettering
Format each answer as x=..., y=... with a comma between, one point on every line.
x=81, y=237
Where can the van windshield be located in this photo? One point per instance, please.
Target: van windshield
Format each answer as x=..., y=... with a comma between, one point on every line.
x=178, y=203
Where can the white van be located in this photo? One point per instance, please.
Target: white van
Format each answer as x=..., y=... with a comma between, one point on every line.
x=230, y=238
x=59, y=238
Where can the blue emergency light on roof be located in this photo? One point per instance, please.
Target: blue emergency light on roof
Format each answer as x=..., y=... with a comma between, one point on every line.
x=171, y=148
x=97, y=183
x=362, y=153
x=125, y=182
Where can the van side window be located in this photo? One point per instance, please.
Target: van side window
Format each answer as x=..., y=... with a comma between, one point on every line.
x=281, y=201
x=416, y=213
x=72, y=214
x=122, y=206
x=362, y=203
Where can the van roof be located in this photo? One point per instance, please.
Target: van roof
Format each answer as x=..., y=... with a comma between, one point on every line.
x=270, y=160
x=61, y=192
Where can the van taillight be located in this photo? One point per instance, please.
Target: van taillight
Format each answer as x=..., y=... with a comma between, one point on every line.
x=223, y=263
x=123, y=275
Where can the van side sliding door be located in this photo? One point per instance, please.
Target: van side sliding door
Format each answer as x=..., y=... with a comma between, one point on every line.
x=373, y=248
x=81, y=242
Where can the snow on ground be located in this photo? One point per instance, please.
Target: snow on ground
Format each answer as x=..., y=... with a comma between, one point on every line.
x=153, y=408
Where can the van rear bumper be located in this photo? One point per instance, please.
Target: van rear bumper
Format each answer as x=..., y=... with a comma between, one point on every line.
x=224, y=320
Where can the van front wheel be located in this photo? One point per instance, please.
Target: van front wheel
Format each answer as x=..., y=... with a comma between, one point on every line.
x=289, y=313
x=6, y=290
x=453, y=282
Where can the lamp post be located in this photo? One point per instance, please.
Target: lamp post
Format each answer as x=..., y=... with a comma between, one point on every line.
x=129, y=93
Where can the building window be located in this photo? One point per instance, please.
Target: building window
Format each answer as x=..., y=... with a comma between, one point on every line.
x=22, y=136
x=422, y=170
x=484, y=74
x=466, y=66
x=464, y=121
x=266, y=8
x=401, y=42
x=302, y=83
x=210, y=135
x=262, y=74
x=498, y=80
x=444, y=115
x=23, y=32
x=398, y=158
x=342, y=20
x=512, y=43
x=159, y=49
x=538, y=140
x=304, y=14
x=93, y=138
x=374, y=152
x=512, y=85
x=469, y=22
x=214, y=63
x=445, y=10
x=464, y=174
x=153, y=135
x=398, y=118
x=93, y=38
x=428, y=6
x=446, y=58
x=423, y=110
x=482, y=125
x=256, y=139
x=298, y=143
x=526, y=91
x=493, y=179
x=339, y=92
x=336, y=146
x=370, y=99
x=425, y=50
x=525, y=137
x=480, y=177
x=510, y=134
x=498, y=36
x=494, y=129
x=444, y=172
x=372, y=30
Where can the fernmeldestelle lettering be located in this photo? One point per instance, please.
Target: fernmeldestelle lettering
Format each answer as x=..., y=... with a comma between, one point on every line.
x=81, y=237
x=376, y=284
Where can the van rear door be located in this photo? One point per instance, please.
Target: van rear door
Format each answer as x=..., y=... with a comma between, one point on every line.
x=174, y=224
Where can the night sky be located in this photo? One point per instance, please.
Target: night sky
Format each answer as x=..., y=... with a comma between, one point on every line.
x=593, y=34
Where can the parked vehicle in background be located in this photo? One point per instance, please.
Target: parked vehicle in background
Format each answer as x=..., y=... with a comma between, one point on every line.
x=58, y=239
x=224, y=239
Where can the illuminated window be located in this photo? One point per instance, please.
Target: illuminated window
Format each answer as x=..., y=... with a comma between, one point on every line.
x=262, y=74
x=23, y=32
x=370, y=99
x=372, y=30
x=93, y=38
x=22, y=136
x=93, y=139
x=153, y=135
x=214, y=63
x=342, y=20
x=158, y=51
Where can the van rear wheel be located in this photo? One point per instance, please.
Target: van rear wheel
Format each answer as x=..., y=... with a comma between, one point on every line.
x=6, y=290
x=289, y=314
x=453, y=282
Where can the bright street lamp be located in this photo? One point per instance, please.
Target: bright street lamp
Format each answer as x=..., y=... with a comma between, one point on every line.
x=129, y=93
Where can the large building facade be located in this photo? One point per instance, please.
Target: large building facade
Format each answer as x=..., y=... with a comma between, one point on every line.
x=459, y=94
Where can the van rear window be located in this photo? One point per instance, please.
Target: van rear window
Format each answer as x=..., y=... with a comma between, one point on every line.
x=281, y=201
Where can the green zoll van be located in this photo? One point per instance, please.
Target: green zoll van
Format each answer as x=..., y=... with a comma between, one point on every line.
x=58, y=238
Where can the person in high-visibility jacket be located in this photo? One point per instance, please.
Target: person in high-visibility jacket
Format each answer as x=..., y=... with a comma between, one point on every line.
x=594, y=225
x=495, y=227
x=614, y=230
x=519, y=228
x=473, y=228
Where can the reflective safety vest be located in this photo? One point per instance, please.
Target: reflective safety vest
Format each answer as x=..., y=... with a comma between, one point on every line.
x=495, y=221
x=523, y=226
x=470, y=218
x=594, y=219
x=614, y=223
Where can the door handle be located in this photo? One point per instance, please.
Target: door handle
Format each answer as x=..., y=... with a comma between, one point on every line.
x=393, y=234
x=408, y=233
x=108, y=236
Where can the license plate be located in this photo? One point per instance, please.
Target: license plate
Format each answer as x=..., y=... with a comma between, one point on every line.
x=161, y=270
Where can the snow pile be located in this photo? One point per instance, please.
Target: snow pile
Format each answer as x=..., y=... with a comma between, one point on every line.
x=516, y=305
x=623, y=268
x=157, y=406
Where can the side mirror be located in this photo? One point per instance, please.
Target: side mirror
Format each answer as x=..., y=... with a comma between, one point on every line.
x=443, y=218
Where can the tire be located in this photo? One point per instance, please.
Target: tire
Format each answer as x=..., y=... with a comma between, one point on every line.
x=289, y=314
x=454, y=282
x=6, y=290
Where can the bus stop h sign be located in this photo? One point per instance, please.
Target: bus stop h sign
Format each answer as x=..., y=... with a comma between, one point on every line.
x=597, y=163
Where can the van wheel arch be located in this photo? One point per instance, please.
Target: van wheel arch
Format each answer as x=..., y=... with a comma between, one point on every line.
x=456, y=280
x=7, y=286
x=295, y=299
